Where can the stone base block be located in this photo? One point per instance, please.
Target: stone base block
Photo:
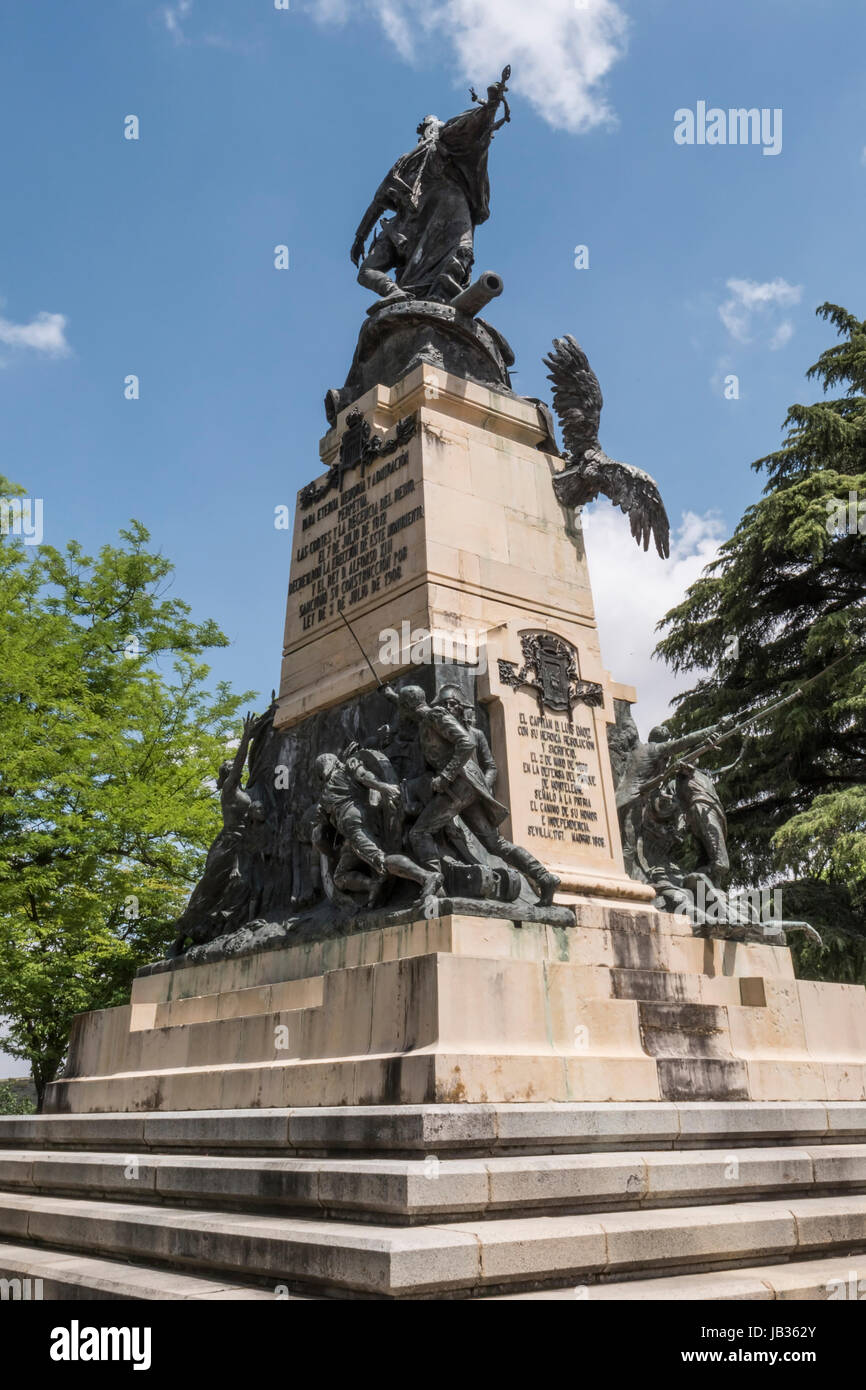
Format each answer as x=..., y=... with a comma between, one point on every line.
x=626, y=1006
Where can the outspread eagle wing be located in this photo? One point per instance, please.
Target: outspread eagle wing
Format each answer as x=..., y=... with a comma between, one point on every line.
x=629, y=488
x=577, y=400
x=577, y=397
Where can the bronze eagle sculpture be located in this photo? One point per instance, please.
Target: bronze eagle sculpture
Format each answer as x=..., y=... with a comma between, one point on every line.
x=577, y=400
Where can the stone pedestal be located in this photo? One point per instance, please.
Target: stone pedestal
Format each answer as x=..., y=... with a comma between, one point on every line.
x=626, y=1006
x=457, y=534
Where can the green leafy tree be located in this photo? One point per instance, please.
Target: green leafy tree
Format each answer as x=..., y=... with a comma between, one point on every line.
x=109, y=741
x=13, y=1101
x=784, y=602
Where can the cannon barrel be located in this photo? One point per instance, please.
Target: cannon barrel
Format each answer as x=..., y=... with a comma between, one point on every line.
x=488, y=286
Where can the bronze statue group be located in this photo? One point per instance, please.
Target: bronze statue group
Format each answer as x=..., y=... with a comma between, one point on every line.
x=664, y=800
x=370, y=825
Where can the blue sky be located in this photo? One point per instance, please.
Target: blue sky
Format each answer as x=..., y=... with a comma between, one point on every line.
x=260, y=127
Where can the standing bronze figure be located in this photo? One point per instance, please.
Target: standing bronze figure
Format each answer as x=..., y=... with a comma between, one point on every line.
x=439, y=193
x=223, y=888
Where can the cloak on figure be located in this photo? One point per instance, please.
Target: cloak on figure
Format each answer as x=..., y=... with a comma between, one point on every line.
x=440, y=193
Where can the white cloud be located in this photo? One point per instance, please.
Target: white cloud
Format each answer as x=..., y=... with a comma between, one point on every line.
x=783, y=334
x=173, y=17
x=45, y=333
x=561, y=50
x=396, y=25
x=633, y=589
x=753, y=302
x=330, y=11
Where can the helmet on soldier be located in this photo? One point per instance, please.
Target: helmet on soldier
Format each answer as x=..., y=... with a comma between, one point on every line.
x=411, y=697
x=324, y=766
x=450, y=695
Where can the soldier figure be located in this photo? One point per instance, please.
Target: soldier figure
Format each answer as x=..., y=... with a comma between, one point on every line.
x=342, y=799
x=219, y=900
x=460, y=788
x=645, y=762
x=705, y=818
x=482, y=748
x=451, y=696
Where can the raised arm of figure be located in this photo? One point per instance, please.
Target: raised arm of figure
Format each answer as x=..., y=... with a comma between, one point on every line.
x=235, y=773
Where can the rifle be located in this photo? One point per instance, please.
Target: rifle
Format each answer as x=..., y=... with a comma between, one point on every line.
x=744, y=723
x=695, y=754
x=379, y=682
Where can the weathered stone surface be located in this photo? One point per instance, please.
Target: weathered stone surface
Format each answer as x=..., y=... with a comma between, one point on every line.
x=513, y=1213
x=450, y=1129
x=394, y=1262
x=480, y=1010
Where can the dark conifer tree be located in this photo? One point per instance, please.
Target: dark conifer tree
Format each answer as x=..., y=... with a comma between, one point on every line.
x=783, y=607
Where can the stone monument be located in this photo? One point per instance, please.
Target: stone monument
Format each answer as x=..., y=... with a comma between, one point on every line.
x=443, y=914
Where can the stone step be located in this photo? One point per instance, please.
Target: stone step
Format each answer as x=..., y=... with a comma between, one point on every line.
x=284, y=997
x=412, y=1190
x=837, y=1279
x=571, y=1127
x=447, y=1026
x=349, y=1258
x=254, y=1037
x=605, y=936
x=57, y=1275
x=435, y=1074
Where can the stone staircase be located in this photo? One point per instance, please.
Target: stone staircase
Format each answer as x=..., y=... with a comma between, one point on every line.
x=659, y=1200
x=455, y=1108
